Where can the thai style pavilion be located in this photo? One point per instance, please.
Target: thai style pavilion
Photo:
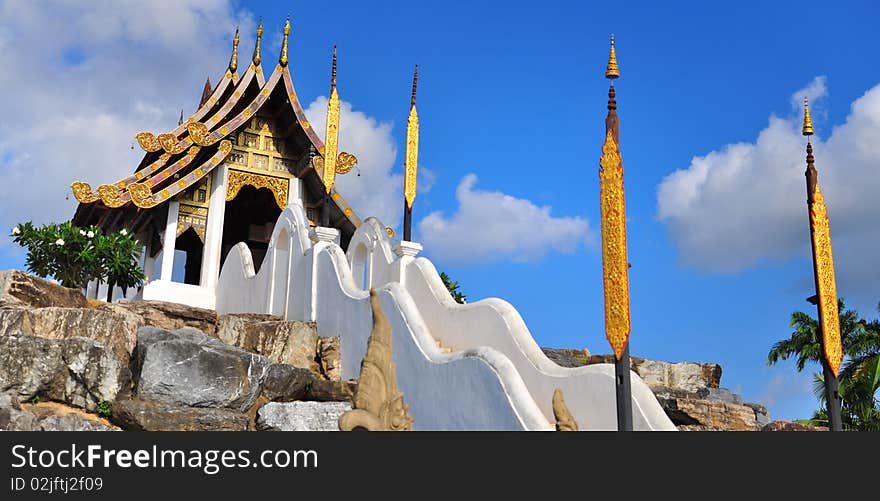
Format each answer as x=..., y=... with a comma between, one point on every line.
x=222, y=177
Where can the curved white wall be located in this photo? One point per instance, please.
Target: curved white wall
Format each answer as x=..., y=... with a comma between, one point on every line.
x=496, y=378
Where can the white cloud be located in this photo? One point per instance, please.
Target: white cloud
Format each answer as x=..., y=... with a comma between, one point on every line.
x=377, y=191
x=814, y=91
x=491, y=226
x=746, y=202
x=82, y=78
x=786, y=385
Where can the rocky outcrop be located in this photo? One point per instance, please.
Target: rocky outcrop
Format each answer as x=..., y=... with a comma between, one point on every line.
x=19, y=289
x=169, y=316
x=284, y=342
x=331, y=391
x=78, y=371
x=689, y=412
x=689, y=376
x=284, y=383
x=115, y=329
x=47, y=416
x=301, y=416
x=689, y=392
x=565, y=357
x=791, y=426
x=189, y=368
x=136, y=415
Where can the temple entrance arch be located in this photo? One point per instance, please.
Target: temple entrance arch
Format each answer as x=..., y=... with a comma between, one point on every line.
x=250, y=218
x=191, y=245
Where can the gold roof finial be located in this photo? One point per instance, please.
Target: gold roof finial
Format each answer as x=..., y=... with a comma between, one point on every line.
x=612, y=71
x=283, y=58
x=415, y=84
x=233, y=61
x=808, y=121
x=256, y=57
x=333, y=70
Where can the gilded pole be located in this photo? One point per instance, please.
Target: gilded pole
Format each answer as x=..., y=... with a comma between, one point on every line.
x=823, y=274
x=233, y=59
x=256, y=57
x=282, y=59
x=331, y=144
x=615, y=265
x=412, y=160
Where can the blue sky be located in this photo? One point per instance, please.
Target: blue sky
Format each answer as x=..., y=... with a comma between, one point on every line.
x=515, y=95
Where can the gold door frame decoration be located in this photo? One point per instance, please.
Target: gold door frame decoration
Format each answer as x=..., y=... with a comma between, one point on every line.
x=237, y=179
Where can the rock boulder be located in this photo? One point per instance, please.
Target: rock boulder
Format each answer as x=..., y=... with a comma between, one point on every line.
x=284, y=342
x=20, y=289
x=137, y=415
x=189, y=368
x=78, y=371
x=301, y=416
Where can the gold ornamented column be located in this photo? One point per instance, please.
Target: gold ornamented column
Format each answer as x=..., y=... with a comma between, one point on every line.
x=412, y=160
x=331, y=145
x=826, y=287
x=615, y=274
x=615, y=265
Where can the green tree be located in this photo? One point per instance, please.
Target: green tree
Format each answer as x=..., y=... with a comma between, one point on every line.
x=62, y=251
x=453, y=288
x=859, y=377
x=74, y=256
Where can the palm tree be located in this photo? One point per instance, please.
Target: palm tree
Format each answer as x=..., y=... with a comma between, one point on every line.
x=860, y=376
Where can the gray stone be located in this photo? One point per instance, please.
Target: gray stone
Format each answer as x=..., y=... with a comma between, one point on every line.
x=137, y=415
x=688, y=376
x=170, y=316
x=720, y=395
x=72, y=422
x=791, y=426
x=116, y=330
x=12, y=417
x=283, y=342
x=762, y=415
x=77, y=371
x=331, y=391
x=565, y=357
x=187, y=367
x=284, y=383
x=301, y=416
x=20, y=289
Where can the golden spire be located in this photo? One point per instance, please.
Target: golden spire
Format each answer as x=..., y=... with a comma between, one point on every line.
x=412, y=147
x=415, y=84
x=333, y=70
x=283, y=58
x=612, y=71
x=233, y=61
x=331, y=138
x=256, y=58
x=808, y=121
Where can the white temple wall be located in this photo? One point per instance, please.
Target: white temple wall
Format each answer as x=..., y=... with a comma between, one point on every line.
x=496, y=368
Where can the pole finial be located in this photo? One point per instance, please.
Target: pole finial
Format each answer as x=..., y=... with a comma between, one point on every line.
x=612, y=71
x=256, y=57
x=415, y=86
x=233, y=60
x=283, y=58
x=333, y=71
x=808, y=121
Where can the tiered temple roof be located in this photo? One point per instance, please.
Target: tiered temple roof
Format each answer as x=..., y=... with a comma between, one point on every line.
x=181, y=159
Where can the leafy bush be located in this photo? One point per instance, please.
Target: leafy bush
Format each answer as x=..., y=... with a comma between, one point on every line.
x=103, y=409
x=74, y=256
